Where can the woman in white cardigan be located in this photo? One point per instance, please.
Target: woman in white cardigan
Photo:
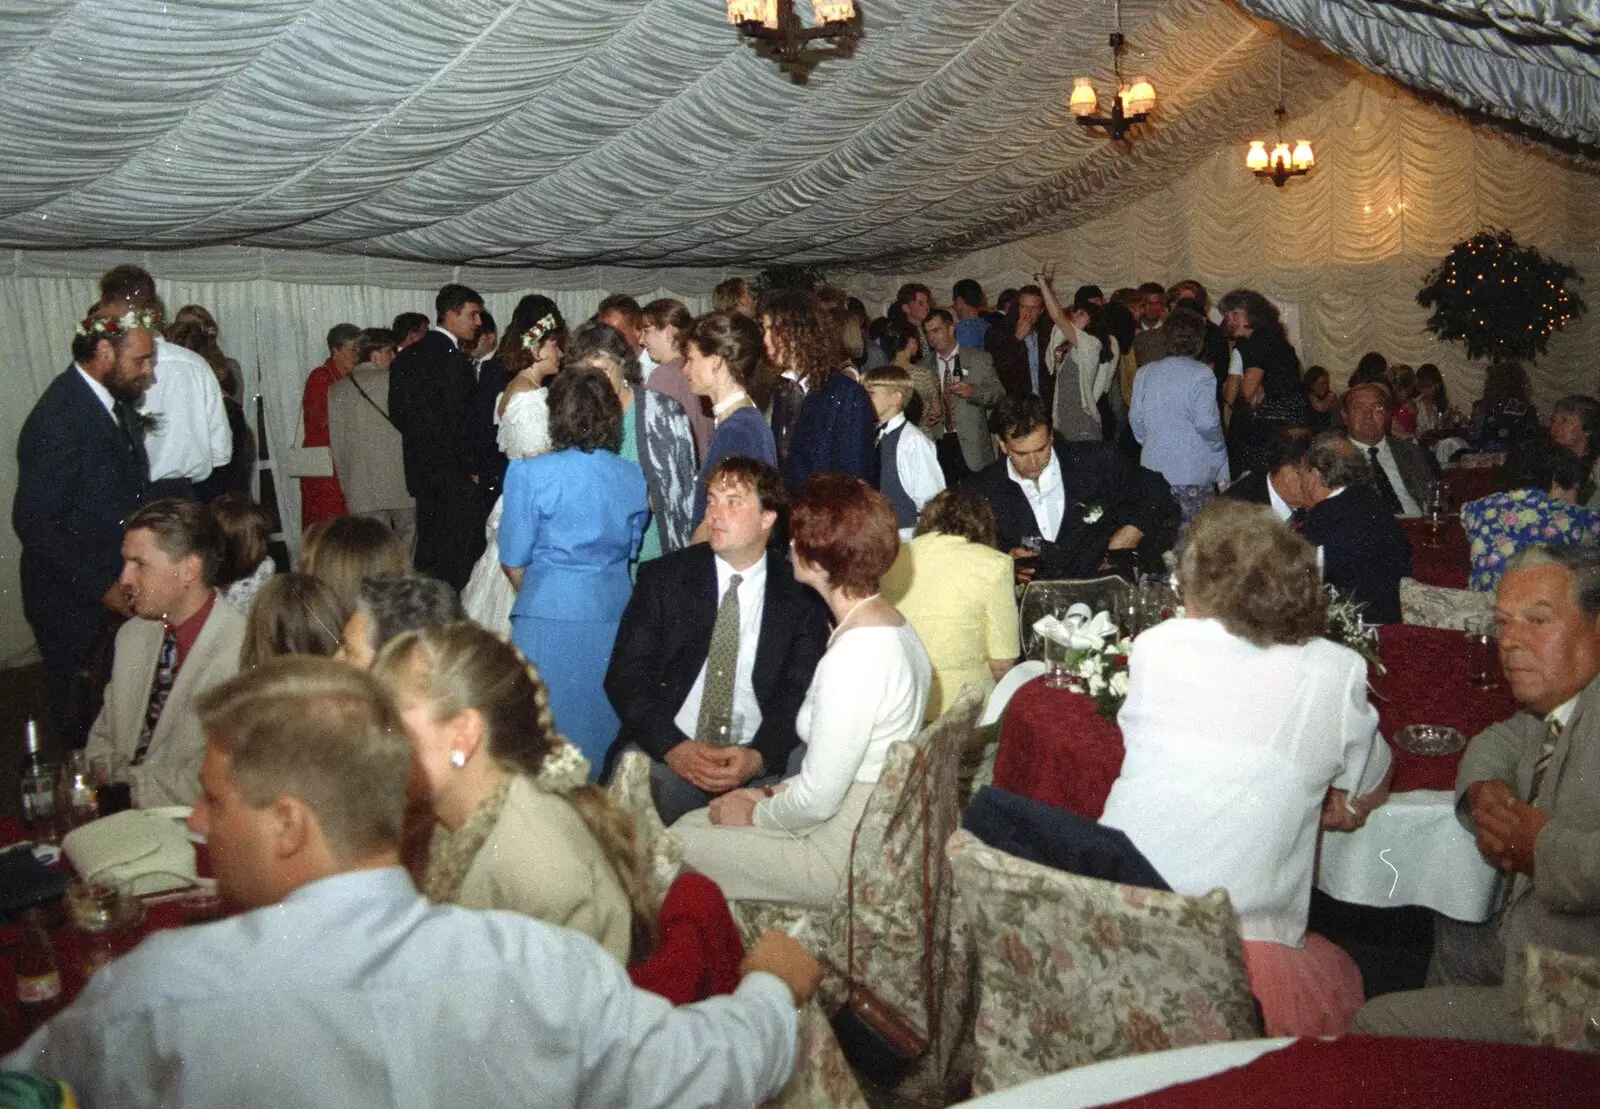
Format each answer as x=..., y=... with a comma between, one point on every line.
x=791, y=842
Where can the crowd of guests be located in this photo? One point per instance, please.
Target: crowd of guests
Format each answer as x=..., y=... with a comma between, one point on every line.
x=759, y=546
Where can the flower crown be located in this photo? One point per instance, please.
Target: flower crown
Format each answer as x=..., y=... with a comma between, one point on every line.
x=536, y=334
x=132, y=320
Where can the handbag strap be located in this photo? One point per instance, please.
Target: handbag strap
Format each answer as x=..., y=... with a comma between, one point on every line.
x=372, y=402
x=923, y=791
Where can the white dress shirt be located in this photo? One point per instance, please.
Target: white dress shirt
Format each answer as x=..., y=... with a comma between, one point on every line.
x=354, y=991
x=916, y=460
x=752, y=601
x=1280, y=507
x=1046, y=496
x=191, y=436
x=100, y=391
x=1408, y=506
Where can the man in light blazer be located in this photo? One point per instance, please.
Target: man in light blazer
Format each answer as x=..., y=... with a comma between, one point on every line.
x=1526, y=790
x=659, y=667
x=181, y=643
x=965, y=389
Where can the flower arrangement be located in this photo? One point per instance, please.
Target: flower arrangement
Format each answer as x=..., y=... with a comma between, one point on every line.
x=134, y=319
x=1345, y=627
x=538, y=332
x=1501, y=299
x=1087, y=653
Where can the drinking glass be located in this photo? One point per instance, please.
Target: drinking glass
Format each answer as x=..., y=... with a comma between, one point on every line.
x=1056, y=656
x=1437, y=511
x=75, y=800
x=1481, y=651
x=1157, y=601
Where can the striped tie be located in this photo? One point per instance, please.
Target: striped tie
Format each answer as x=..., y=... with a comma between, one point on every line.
x=1552, y=734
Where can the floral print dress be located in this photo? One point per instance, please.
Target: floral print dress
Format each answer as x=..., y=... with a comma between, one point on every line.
x=1500, y=525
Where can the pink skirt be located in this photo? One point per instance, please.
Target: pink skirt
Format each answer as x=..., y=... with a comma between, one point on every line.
x=1313, y=990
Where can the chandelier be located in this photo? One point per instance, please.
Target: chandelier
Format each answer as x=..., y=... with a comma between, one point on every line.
x=776, y=30
x=1132, y=103
x=1282, y=163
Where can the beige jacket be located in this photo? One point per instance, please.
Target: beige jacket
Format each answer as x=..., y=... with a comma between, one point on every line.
x=542, y=860
x=366, y=447
x=170, y=773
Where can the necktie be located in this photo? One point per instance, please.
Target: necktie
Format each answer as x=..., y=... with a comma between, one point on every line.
x=715, y=725
x=949, y=376
x=1381, y=480
x=1552, y=735
x=128, y=421
x=166, y=673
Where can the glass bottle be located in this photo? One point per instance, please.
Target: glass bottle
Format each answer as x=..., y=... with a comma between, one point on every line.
x=38, y=790
x=38, y=976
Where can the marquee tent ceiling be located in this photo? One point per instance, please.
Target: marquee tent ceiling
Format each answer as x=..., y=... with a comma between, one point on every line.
x=555, y=133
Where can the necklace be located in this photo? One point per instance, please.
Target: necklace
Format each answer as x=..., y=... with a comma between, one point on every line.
x=840, y=626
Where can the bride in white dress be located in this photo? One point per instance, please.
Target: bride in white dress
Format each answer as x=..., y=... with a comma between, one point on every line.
x=523, y=417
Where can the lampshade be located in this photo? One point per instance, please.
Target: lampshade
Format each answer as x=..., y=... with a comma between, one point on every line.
x=833, y=11
x=1303, y=158
x=753, y=11
x=1280, y=155
x=1084, y=100
x=1141, y=97
x=1256, y=159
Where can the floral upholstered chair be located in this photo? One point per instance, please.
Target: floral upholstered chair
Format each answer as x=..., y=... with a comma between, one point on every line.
x=1561, y=999
x=630, y=789
x=1041, y=598
x=912, y=811
x=1075, y=970
x=1435, y=606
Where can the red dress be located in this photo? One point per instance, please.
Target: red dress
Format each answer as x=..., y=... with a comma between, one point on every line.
x=320, y=497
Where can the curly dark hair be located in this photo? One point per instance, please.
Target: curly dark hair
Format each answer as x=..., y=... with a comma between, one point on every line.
x=804, y=335
x=584, y=411
x=515, y=357
x=959, y=511
x=1254, y=573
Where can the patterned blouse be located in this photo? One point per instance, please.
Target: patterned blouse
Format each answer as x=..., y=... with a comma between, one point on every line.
x=1500, y=525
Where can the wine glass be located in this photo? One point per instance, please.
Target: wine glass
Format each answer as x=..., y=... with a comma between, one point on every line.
x=1437, y=511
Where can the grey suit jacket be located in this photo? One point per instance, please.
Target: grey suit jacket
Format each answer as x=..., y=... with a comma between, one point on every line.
x=1412, y=462
x=170, y=773
x=1560, y=906
x=972, y=413
x=366, y=448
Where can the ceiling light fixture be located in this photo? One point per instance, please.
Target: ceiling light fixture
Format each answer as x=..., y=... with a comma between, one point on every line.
x=1132, y=103
x=1282, y=163
x=776, y=30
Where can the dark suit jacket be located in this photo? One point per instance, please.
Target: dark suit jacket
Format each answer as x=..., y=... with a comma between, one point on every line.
x=665, y=636
x=430, y=401
x=1365, y=552
x=787, y=400
x=78, y=478
x=1010, y=357
x=1251, y=487
x=1057, y=838
x=1094, y=473
x=836, y=432
x=492, y=381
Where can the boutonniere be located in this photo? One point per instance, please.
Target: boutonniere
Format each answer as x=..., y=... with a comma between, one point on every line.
x=1091, y=511
x=149, y=422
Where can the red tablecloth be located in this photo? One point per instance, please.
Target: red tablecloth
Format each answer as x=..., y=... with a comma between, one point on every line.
x=1468, y=483
x=1056, y=748
x=1448, y=564
x=1380, y=1074
x=69, y=948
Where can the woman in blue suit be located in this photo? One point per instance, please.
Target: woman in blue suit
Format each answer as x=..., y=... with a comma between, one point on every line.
x=573, y=520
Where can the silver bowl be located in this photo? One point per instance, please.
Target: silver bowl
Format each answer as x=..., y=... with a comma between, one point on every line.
x=1430, y=739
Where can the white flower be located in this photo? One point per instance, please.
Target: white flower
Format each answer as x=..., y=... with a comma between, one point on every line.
x=1097, y=685
x=1119, y=683
x=1092, y=513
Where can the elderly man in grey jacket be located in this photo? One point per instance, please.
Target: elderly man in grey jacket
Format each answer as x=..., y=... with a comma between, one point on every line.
x=1526, y=789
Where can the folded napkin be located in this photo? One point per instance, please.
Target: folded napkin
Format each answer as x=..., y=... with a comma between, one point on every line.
x=144, y=850
x=1079, y=631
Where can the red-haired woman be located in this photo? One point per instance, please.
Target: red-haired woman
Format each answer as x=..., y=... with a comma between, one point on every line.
x=792, y=842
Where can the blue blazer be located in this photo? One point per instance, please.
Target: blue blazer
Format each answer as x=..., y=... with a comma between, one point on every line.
x=836, y=431
x=573, y=521
x=78, y=478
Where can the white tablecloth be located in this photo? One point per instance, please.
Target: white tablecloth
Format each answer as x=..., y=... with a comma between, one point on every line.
x=1411, y=851
x=1132, y=1076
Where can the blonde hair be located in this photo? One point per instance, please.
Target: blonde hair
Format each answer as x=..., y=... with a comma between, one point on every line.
x=895, y=378
x=321, y=732
x=345, y=550
x=456, y=667
x=293, y=614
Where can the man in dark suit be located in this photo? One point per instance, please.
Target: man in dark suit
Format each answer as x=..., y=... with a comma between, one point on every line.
x=492, y=379
x=1281, y=483
x=710, y=728
x=1365, y=552
x=430, y=401
x=1020, y=348
x=82, y=470
x=1080, y=500
x=1401, y=471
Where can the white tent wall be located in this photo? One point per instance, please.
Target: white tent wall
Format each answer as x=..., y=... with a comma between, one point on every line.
x=275, y=328
x=1396, y=185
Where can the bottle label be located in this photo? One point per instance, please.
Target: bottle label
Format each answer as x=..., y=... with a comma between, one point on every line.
x=34, y=989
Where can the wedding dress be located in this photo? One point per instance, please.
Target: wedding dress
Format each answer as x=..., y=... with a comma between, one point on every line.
x=524, y=432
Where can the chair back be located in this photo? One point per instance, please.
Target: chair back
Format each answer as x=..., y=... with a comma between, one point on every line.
x=1041, y=598
x=630, y=789
x=1435, y=606
x=1074, y=970
x=1561, y=999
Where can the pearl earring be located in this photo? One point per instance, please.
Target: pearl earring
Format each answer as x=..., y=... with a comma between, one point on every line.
x=458, y=759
